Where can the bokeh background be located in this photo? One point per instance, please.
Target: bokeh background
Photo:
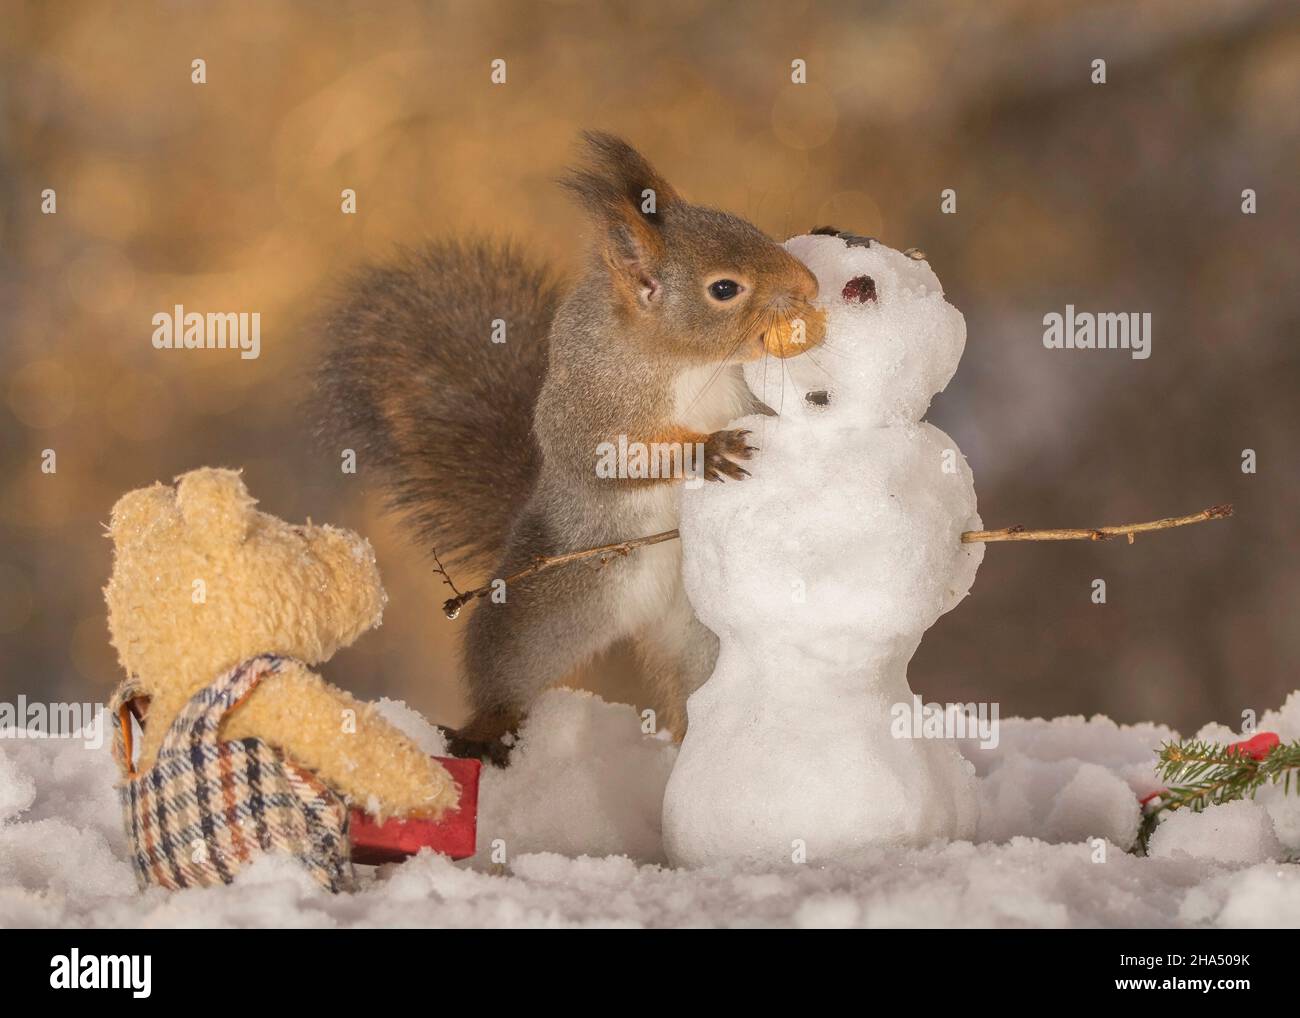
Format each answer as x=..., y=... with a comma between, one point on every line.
x=1122, y=197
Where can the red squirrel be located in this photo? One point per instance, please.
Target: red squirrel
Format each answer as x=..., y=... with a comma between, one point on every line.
x=490, y=449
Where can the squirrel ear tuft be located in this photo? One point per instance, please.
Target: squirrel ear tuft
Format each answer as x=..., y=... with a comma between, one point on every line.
x=626, y=195
x=615, y=179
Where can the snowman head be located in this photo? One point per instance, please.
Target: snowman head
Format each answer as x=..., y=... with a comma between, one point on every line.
x=891, y=340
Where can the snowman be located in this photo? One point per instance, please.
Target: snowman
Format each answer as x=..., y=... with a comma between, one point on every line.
x=819, y=574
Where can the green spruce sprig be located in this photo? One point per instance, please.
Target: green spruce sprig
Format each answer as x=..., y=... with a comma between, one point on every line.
x=1200, y=774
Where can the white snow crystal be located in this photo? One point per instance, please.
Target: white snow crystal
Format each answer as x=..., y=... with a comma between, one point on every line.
x=1057, y=801
x=1264, y=896
x=411, y=723
x=1239, y=831
x=1068, y=779
x=579, y=817
x=582, y=779
x=17, y=790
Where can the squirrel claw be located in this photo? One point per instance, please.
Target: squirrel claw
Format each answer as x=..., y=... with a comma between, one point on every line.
x=721, y=451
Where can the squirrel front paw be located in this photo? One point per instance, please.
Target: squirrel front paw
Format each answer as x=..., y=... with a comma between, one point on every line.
x=721, y=450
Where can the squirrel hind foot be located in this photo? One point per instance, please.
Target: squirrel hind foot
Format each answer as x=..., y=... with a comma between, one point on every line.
x=491, y=751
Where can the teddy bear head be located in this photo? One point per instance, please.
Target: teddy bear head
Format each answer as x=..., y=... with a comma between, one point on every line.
x=203, y=581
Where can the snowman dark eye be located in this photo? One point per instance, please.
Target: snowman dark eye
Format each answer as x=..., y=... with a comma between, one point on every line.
x=724, y=289
x=860, y=289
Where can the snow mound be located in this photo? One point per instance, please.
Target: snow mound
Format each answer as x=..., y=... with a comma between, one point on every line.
x=582, y=779
x=577, y=814
x=1068, y=779
x=1239, y=832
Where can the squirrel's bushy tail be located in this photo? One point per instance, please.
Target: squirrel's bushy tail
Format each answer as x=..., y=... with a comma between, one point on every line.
x=412, y=380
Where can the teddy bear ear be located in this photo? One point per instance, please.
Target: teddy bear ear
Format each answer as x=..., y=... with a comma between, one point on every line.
x=140, y=511
x=215, y=505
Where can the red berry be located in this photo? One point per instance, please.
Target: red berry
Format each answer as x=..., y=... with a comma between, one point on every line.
x=1257, y=747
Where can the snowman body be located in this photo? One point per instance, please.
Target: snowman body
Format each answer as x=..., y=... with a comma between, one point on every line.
x=819, y=574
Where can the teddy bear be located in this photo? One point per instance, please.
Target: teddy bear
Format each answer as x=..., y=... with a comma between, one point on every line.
x=204, y=583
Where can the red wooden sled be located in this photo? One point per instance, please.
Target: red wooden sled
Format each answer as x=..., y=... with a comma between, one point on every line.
x=394, y=840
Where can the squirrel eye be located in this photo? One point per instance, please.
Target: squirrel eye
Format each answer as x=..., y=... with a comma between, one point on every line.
x=724, y=289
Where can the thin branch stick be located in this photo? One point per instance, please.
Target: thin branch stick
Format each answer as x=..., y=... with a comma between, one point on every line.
x=441, y=570
x=607, y=552
x=1128, y=530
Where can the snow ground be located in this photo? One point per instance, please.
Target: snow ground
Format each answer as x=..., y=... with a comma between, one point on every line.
x=577, y=815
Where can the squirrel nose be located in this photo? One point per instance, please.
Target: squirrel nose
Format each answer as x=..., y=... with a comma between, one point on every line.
x=805, y=287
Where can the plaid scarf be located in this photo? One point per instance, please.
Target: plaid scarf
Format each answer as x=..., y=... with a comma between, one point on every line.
x=208, y=807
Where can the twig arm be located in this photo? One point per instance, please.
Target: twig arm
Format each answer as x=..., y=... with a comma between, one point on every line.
x=1129, y=530
x=452, y=606
x=607, y=552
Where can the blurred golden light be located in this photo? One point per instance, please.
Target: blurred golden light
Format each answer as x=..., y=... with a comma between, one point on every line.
x=15, y=598
x=42, y=394
x=140, y=406
x=804, y=116
x=101, y=281
x=40, y=501
x=856, y=212
x=104, y=200
x=91, y=653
